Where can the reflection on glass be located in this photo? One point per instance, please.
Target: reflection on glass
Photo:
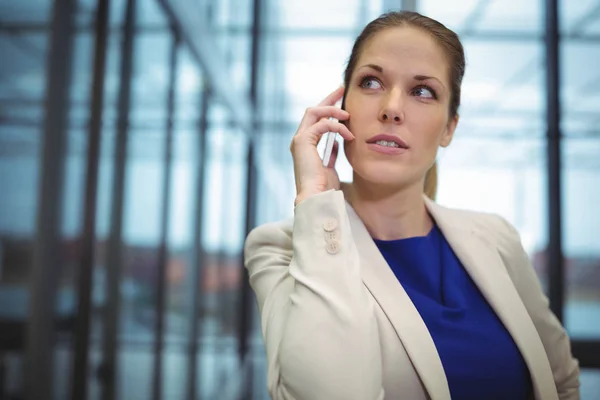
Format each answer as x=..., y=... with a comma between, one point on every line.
x=580, y=102
x=581, y=229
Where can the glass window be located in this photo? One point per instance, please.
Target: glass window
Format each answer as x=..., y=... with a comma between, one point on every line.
x=510, y=16
x=232, y=14
x=308, y=79
x=590, y=384
x=580, y=102
x=333, y=14
x=26, y=11
x=24, y=40
x=572, y=13
x=453, y=17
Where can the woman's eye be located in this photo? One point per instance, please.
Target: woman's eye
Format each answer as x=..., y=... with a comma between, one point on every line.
x=370, y=83
x=424, y=92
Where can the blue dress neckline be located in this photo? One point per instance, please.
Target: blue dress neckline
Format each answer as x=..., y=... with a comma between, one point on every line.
x=480, y=358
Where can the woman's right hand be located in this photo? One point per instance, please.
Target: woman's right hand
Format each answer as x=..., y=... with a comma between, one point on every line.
x=311, y=176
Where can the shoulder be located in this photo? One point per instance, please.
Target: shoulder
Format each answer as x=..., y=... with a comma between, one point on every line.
x=499, y=234
x=273, y=235
x=493, y=226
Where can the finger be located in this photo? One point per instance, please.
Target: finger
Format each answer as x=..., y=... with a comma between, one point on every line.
x=326, y=125
x=333, y=97
x=334, y=154
x=315, y=114
x=329, y=112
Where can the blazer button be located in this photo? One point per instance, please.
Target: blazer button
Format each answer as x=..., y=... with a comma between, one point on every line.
x=332, y=236
x=333, y=247
x=330, y=224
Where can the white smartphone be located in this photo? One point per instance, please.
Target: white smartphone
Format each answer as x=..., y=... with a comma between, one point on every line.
x=330, y=140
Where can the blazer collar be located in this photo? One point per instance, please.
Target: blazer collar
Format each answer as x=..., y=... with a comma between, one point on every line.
x=399, y=309
x=481, y=260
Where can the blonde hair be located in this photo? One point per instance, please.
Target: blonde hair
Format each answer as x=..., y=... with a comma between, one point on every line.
x=431, y=180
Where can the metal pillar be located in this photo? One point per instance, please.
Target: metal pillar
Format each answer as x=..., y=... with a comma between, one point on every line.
x=86, y=264
x=246, y=300
x=114, y=262
x=198, y=251
x=47, y=261
x=554, y=250
x=163, y=259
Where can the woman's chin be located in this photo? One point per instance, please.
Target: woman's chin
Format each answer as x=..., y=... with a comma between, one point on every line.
x=386, y=175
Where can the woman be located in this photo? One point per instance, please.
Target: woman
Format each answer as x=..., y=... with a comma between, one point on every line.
x=372, y=290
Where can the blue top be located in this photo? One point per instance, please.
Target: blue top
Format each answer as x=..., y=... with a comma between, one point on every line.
x=480, y=358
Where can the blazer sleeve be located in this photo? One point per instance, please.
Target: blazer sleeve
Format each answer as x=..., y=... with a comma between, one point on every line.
x=565, y=368
x=317, y=318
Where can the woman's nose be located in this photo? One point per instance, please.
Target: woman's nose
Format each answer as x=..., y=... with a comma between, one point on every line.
x=391, y=115
x=392, y=110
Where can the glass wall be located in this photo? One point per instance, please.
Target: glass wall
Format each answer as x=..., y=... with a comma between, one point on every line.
x=189, y=89
x=580, y=108
x=22, y=90
x=172, y=159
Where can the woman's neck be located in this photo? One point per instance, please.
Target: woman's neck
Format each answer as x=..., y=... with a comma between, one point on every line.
x=389, y=214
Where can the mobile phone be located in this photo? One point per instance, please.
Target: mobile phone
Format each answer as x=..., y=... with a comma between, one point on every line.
x=330, y=140
x=331, y=136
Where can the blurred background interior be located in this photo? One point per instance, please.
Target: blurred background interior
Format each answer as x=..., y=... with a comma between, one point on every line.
x=140, y=140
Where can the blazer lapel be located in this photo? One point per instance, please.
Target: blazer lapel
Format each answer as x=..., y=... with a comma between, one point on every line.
x=401, y=312
x=481, y=260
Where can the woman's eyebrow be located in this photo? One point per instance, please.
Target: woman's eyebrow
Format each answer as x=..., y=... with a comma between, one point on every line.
x=376, y=67
x=379, y=69
x=425, y=77
x=422, y=77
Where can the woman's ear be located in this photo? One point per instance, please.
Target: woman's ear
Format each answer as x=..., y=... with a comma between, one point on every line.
x=449, y=132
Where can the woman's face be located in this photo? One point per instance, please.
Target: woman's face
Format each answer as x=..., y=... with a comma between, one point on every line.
x=400, y=88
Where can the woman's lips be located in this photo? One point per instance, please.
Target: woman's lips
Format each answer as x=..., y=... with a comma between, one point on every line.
x=387, y=149
x=389, y=138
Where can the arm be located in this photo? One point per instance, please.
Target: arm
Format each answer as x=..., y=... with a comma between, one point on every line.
x=317, y=318
x=554, y=338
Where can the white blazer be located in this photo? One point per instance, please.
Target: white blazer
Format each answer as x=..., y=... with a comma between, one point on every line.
x=337, y=324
